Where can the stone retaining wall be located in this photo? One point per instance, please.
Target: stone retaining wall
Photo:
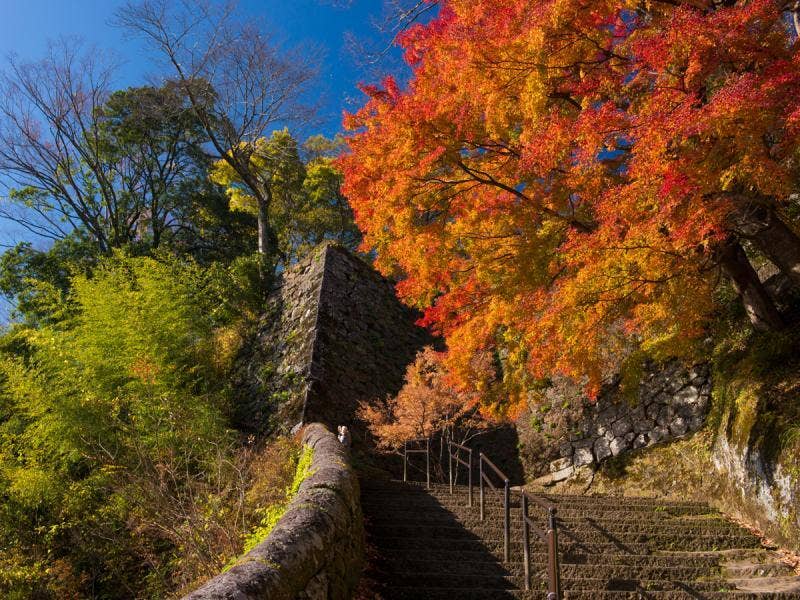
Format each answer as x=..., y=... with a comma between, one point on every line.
x=316, y=550
x=333, y=334
x=672, y=400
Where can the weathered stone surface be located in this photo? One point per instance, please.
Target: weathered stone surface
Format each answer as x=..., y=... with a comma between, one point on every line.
x=559, y=464
x=602, y=449
x=621, y=427
x=582, y=456
x=333, y=334
x=316, y=550
x=562, y=474
x=672, y=401
x=618, y=445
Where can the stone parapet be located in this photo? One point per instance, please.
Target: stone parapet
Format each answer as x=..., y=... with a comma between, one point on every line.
x=316, y=550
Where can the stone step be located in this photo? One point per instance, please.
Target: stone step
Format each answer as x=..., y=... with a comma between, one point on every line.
x=489, y=493
x=440, y=491
x=677, y=559
x=612, y=548
x=427, y=502
x=495, y=522
x=664, y=540
x=538, y=565
x=510, y=582
x=462, y=593
x=567, y=548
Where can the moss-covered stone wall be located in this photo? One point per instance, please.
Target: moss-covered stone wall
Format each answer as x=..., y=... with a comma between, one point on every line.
x=316, y=551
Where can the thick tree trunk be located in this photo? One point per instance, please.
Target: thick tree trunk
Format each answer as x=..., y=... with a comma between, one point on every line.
x=759, y=306
x=762, y=225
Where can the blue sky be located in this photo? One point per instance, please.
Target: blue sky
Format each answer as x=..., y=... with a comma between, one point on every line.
x=27, y=25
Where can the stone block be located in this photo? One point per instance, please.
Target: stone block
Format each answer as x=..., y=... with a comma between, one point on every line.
x=688, y=395
x=565, y=450
x=678, y=426
x=582, y=456
x=622, y=426
x=602, y=449
x=618, y=445
x=562, y=474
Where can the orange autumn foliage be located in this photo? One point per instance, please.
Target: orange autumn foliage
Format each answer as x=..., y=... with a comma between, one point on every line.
x=426, y=405
x=560, y=178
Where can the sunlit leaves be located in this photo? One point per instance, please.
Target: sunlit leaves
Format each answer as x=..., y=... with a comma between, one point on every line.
x=553, y=182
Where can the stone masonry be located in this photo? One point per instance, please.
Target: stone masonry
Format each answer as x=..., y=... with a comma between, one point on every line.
x=316, y=550
x=333, y=334
x=672, y=401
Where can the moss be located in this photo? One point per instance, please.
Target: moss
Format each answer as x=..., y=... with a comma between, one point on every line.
x=631, y=374
x=270, y=515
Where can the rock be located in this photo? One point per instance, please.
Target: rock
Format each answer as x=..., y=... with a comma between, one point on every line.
x=665, y=416
x=602, y=449
x=565, y=450
x=618, y=445
x=562, y=474
x=652, y=411
x=621, y=427
x=688, y=395
x=561, y=463
x=583, y=456
x=640, y=441
x=678, y=426
x=642, y=425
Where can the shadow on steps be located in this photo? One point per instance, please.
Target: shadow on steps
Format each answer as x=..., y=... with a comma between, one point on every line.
x=406, y=561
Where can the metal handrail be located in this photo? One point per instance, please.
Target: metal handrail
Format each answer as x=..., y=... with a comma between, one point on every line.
x=426, y=450
x=506, y=501
x=550, y=537
x=456, y=456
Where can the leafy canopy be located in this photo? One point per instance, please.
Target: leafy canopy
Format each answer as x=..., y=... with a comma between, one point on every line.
x=558, y=178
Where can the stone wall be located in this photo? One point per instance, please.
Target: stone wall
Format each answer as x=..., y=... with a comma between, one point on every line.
x=758, y=464
x=671, y=401
x=364, y=339
x=316, y=551
x=333, y=334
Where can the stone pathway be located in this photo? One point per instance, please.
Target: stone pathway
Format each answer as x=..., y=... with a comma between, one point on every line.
x=429, y=544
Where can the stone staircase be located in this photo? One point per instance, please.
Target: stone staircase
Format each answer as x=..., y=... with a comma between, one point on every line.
x=429, y=544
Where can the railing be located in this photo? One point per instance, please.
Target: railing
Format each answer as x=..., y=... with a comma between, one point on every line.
x=416, y=450
x=456, y=457
x=548, y=536
x=506, y=501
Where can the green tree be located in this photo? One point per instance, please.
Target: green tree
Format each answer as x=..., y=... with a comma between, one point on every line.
x=113, y=431
x=305, y=203
x=79, y=157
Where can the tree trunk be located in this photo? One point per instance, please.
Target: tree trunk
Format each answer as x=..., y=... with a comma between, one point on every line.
x=773, y=237
x=263, y=229
x=757, y=302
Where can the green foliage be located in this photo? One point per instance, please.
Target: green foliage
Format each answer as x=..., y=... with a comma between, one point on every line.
x=270, y=515
x=306, y=206
x=126, y=390
x=38, y=281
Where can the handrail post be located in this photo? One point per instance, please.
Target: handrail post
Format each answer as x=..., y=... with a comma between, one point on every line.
x=526, y=542
x=480, y=481
x=450, y=465
x=507, y=521
x=428, y=463
x=469, y=479
x=405, y=461
x=554, y=569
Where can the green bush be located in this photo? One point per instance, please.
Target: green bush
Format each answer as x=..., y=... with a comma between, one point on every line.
x=117, y=467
